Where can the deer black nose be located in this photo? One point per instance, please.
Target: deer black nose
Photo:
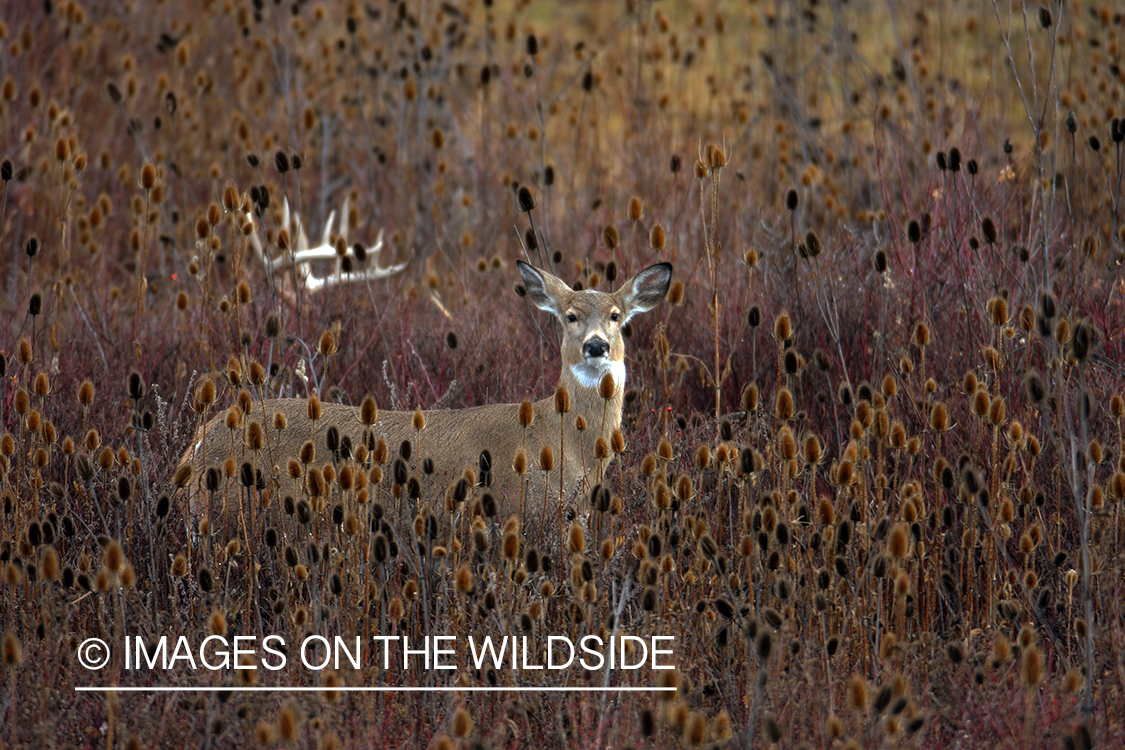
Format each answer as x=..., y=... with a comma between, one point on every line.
x=595, y=348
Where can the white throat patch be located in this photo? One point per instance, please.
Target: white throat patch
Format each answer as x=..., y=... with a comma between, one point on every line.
x=589, y=374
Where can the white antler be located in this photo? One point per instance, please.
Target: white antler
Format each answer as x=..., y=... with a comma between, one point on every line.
x=300, y=256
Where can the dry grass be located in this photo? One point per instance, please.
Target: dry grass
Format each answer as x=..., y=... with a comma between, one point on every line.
x=874, y=464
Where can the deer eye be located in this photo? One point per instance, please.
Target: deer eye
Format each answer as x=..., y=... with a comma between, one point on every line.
x=614, y=317
x=571, y=318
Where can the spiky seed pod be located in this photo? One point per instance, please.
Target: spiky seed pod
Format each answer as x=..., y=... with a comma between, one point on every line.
x=857, y=693
x=1083, y=340
x=750, y=398
x=41, y=385
x=981, y=403
x=418, y=421
x=182, y=475
x=1031, y=667
x=327, y=344
x=784, y=406
x=997, y=410
x=939, y=417
x=914, y=232
x=462, y=723
x=998, y=310
x=255, y=436
x=526, y=414
x=601, y=449
x=676, y=293
x=786, y=444
x=525, y=199
x=813, y=451
x=313, y=407
x=510, y=546
x=782, y=327
x=11, y=653
x=368, y=411
x=315, y=482
x=684, y=488
x=812, y=243
x=702, y=457
x=610, y=237
x=546, y=458
x=636, y=210
x=562, y=400
x=988, y=230
x=606, y=387
x=792, y=200
x=576, y=539
x=657, y=237
x=898, y=542
x=233, y=418
x=206, y=393
x=148, y=177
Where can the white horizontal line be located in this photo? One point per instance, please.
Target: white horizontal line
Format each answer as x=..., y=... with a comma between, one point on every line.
x=370, y=689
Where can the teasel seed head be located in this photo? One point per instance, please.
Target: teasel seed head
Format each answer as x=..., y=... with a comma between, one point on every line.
x=525, y=199
x=997, y=410
x=782, y=327
x=327, y=344
x=1031, y=667
x=676, y=293
x=610, y=237
x=998, y=310
x=562, y=400
x=702, y=457
x=792, y=200
x=546, y=458
x=606, y=386
x=206, y=394
x=11, y=653
x=750, y=398
x=857, y=693
x=988, y=230
x=813, y=450
x=784, y=406
x=939, y=417
x=1073, y=683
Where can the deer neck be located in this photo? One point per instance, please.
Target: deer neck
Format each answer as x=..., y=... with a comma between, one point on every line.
x=602, y=416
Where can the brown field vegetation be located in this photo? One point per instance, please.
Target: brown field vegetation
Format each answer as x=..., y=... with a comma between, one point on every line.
x=872, y=460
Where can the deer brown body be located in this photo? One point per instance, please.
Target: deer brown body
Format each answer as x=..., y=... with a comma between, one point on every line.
x=454, y=439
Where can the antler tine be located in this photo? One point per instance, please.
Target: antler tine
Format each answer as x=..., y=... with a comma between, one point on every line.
x=327, y=236
x=321, y=252
x=302, y=255
x=285, y=213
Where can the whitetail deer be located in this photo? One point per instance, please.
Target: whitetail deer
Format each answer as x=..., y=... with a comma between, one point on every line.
x=300, y=256
x=592, y=348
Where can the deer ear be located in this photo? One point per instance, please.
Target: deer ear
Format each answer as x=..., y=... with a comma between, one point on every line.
x=544, y=290
x=645, y=290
